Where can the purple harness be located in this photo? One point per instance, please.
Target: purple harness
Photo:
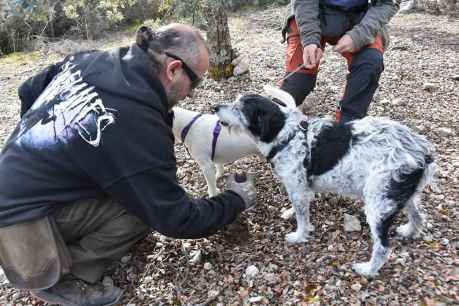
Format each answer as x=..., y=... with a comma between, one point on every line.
x=216, y=132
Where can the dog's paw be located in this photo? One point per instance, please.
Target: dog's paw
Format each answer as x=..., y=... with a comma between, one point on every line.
x=364, y=269
x=296, y=237
x=407, y=231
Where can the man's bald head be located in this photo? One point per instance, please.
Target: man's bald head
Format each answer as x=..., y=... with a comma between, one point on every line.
x=179, y=39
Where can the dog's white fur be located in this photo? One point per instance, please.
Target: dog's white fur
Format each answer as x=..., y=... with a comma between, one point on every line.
x=384, y=152
x=229, y=148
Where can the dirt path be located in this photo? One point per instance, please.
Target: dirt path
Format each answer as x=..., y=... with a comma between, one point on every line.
x=419, y=87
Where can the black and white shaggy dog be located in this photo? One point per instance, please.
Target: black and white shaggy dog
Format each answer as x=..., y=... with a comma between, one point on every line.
x=378, y=160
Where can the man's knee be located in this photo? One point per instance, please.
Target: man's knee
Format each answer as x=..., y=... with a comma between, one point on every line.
x=299, y=85
x=369, y=60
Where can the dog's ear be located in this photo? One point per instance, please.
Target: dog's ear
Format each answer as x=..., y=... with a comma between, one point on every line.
x=280, y=95
x=270, y=126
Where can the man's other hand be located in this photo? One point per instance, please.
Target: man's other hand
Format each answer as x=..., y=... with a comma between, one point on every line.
x=311, y=56
x=345, y=44
x=244, y=186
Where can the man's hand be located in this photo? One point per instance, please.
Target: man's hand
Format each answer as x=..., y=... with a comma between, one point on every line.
x=311, y=56
x=345, y=44
x=244, y=186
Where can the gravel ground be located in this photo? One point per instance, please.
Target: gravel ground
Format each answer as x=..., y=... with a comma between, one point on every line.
x=249, y=262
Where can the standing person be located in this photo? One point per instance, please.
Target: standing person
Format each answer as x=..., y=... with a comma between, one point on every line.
x=356, y=29
x=90, y=168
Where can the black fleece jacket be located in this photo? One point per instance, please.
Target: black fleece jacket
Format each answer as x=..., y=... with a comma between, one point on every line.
x=96, y=125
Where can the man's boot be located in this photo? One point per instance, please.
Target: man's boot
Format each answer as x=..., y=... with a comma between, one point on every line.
x=75, y=292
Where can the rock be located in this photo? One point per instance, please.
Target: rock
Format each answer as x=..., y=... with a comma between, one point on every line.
x=255, y=299
x=356, y=287
x=444, y=241
x=271, y=278
x=251, y=271
x=196, y=256
x=396, y=101
x=429, y=87
x=407, y=6
x=351, y=224
x=125, y=259
x=241, y=68
x=444, y=131
x=107, y=281
x=288, y=214
x=208, y=266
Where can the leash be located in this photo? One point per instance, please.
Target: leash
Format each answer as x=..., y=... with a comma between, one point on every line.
x=291, y=73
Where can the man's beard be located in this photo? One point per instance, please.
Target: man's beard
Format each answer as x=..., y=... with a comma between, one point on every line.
x=173, y=96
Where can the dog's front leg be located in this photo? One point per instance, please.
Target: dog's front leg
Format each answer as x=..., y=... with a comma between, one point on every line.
x=209, y=171
x=300, y=199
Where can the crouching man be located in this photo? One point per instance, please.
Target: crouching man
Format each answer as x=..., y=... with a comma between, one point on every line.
x=90, y=168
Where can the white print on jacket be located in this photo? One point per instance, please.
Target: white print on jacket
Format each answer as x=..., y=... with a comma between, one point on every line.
x=67, y=108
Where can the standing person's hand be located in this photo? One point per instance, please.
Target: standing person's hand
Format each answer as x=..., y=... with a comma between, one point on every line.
x=244, y=186
x=311, y=56
x=345, y=44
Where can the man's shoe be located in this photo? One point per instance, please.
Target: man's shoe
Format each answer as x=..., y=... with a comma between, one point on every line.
x=76, y=292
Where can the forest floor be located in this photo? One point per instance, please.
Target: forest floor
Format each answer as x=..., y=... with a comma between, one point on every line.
x=419, y=87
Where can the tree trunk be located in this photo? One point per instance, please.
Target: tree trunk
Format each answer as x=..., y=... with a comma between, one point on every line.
x=219, y=40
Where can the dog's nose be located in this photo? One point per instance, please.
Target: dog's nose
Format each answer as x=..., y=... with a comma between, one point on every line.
x=217, y=108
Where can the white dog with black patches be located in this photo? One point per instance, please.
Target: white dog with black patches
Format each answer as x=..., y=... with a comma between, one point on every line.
x=378, y=160
x=210, y=144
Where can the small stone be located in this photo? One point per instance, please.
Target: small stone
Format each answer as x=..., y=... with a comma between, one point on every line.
x=351, y=223
x=125, y=259
x=213, y=293
x=445, y=131
x=196, y=256
x=251, y=271
x=208, y=266
x=270, y=278
x=272, y=267
x=255, y=299
x=429, y=87
x=396, y=101
x=107, y=281
x=445, y=241
x=356, y=287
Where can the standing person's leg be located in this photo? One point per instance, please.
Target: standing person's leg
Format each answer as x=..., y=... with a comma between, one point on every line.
x=302, y=82
x=365, y=68
x=95, y=232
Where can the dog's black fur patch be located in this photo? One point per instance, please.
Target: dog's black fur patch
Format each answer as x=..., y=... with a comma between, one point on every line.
x=264, y=117
x=332, y=144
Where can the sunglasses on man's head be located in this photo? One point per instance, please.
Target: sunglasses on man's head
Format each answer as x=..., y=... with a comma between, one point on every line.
x=195, y=80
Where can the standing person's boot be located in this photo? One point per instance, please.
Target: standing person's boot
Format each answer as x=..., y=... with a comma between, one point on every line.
x=76, y=292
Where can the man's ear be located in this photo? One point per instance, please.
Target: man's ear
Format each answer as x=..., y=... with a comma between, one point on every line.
x=270, y=126
x=144, y=36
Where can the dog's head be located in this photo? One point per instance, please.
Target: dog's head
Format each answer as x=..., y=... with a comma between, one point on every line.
x=254, y=114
